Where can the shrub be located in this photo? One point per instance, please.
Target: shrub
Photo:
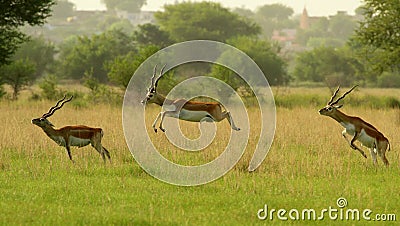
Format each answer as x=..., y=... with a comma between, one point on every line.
x=49, y=89
x=100, y=93
x=389, y=80
x=2, y=91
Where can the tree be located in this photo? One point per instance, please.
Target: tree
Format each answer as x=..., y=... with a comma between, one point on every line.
x=38, y=51
x=124, y=5
x=18, y=74
x=63, y=9
x=123, y=67
x=342, y=26
x=15, y=14
x=244, y=12
x=327, y=65
x=276, y=11
x=380, y=32
x=273, y=17
x=86, y=53
x=150, y=34
x=203, y=20
x=262, y=52
x=318, y=29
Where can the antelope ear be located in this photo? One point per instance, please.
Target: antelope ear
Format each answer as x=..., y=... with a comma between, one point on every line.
x=339, y=106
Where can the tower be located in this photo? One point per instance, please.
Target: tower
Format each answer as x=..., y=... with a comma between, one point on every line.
x=304, y=21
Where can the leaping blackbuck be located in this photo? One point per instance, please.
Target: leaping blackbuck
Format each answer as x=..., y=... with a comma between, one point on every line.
x=361, y=130
x=68, y=136
x=193, y=111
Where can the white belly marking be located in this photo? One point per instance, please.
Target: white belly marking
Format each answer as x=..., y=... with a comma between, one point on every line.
x=363, y=137
x=74, y=141
x=193, y=116
x=59, y=140
x=366, y=140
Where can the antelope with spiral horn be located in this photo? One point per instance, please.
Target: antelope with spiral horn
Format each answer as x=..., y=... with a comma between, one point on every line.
x=359, y=129
x=68, y=136
x=193, y=111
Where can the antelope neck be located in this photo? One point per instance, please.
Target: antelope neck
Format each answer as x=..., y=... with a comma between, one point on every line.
x=341, y=117
x=161, y=100
x=50, y=131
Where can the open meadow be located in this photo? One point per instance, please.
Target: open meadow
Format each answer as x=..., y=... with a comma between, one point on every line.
x=308, y=166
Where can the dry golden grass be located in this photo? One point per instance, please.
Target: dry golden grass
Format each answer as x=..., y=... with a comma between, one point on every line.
x=308, y=165
x=302, y=136
x=326, y=91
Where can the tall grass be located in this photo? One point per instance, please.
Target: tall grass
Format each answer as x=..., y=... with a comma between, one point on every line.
x=308, y=166
x=317, y=97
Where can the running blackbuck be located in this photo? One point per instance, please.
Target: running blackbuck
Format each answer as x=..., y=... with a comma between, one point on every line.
x=193, y=111
x=359, y=129
x=68, y=136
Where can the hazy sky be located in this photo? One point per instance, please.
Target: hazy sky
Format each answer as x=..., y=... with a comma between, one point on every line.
x=314, y=7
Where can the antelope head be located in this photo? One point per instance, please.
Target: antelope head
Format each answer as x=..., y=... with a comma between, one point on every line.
x=42, y=121
x=152, y=95
x=332, y=106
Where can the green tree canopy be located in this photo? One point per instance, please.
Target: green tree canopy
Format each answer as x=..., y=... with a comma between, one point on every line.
x=122, y=68
x=63, y=9
x=244, y=12
x=124, y=5
x=38, y=51
x=203, y=20
x=15, y=14
x=262, y=52
x=150, y=34
x=342, y=26
x=327, y=65
x=276, y=12
x=84, y=54
x=273, y=17
x=18, y=74
x=380, y=32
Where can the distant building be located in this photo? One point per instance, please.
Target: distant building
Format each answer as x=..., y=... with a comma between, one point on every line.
x=87, y=14
x=307, y=21
x=286, y=37
x=142, y=17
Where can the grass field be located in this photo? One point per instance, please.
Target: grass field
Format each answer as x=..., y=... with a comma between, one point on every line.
x=309, y=166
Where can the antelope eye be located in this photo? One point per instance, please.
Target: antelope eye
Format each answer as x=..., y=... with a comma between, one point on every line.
x=329, y=108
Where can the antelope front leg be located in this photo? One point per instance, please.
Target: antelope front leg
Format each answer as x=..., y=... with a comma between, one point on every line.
x=352, y=145
x=163, y=114
x=155, y=122
x=69, y=152
x=373, y=154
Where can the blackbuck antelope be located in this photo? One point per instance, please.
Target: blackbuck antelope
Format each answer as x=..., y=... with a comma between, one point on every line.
x=68, y=136
x=193, y=111
x=359, y=129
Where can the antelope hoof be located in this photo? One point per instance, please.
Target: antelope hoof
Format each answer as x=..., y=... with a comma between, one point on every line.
x=162, y=129
x=354, y=147
x=237, y=129
x=365, y=156
x=155, y=130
